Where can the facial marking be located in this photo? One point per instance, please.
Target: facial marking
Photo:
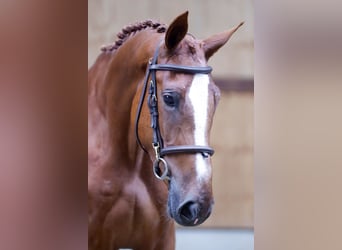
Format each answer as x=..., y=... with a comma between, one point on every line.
x=198, y=95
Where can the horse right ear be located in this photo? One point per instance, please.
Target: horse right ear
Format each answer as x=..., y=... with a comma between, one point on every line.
x=176, y=31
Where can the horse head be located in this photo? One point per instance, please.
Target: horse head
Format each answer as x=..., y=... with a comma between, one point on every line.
x=186, y=99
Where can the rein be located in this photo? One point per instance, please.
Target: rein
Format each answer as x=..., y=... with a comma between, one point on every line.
x=157, y=140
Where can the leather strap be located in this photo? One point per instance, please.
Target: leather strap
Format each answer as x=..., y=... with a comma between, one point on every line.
x=182, y=69
x=157, y=140
x=186, y=149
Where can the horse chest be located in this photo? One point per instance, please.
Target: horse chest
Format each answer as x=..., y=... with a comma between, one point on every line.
x=128, y=216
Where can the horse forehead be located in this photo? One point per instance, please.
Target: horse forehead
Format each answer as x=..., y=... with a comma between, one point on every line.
x=174, y=80
x=182, y=82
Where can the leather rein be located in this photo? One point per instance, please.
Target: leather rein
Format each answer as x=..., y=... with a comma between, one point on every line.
x=157, y=140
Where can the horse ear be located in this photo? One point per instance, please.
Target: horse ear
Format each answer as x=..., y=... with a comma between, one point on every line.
x=213, y=43
x=176, y=31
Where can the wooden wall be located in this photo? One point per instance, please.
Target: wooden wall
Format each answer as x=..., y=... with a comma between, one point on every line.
x=232, y=133
x=232, y=138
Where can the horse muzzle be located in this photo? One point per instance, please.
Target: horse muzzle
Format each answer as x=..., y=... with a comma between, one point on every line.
x=192, y=210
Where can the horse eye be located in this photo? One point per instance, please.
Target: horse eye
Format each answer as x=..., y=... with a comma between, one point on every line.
x=169, y=100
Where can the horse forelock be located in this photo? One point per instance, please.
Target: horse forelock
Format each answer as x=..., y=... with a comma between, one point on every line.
x=132, y=29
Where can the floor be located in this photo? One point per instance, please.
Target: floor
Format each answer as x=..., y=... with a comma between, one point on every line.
x=214, y=239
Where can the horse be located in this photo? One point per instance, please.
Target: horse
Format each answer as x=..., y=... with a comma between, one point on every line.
x=151, y=101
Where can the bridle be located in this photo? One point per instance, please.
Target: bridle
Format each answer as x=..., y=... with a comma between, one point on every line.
x=157, y=141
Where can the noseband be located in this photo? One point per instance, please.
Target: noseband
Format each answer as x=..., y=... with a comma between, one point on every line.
x=157, y=141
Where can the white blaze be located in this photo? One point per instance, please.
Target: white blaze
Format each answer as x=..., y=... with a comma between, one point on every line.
x=198, y=95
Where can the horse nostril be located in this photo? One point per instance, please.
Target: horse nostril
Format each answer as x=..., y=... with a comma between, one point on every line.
x=189, y=211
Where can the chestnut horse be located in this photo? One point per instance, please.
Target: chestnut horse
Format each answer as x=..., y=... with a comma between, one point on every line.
x=136, y=190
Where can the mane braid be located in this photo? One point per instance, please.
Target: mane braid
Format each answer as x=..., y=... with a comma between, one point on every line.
x=130, y=30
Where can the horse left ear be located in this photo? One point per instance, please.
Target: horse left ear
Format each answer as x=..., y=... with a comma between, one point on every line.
x=213, y=43
x=176, y=31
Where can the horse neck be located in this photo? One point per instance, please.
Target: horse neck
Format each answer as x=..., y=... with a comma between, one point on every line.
x=113, y=83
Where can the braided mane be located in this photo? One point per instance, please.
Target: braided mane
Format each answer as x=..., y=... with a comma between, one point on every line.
x=130, y=30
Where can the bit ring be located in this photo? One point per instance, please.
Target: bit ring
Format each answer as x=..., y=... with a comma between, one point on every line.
x=156, y=166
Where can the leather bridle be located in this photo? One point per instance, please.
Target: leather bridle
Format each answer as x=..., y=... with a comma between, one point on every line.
x=157, y=140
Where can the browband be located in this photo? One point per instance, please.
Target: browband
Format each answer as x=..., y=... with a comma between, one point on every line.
x=182, y=69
